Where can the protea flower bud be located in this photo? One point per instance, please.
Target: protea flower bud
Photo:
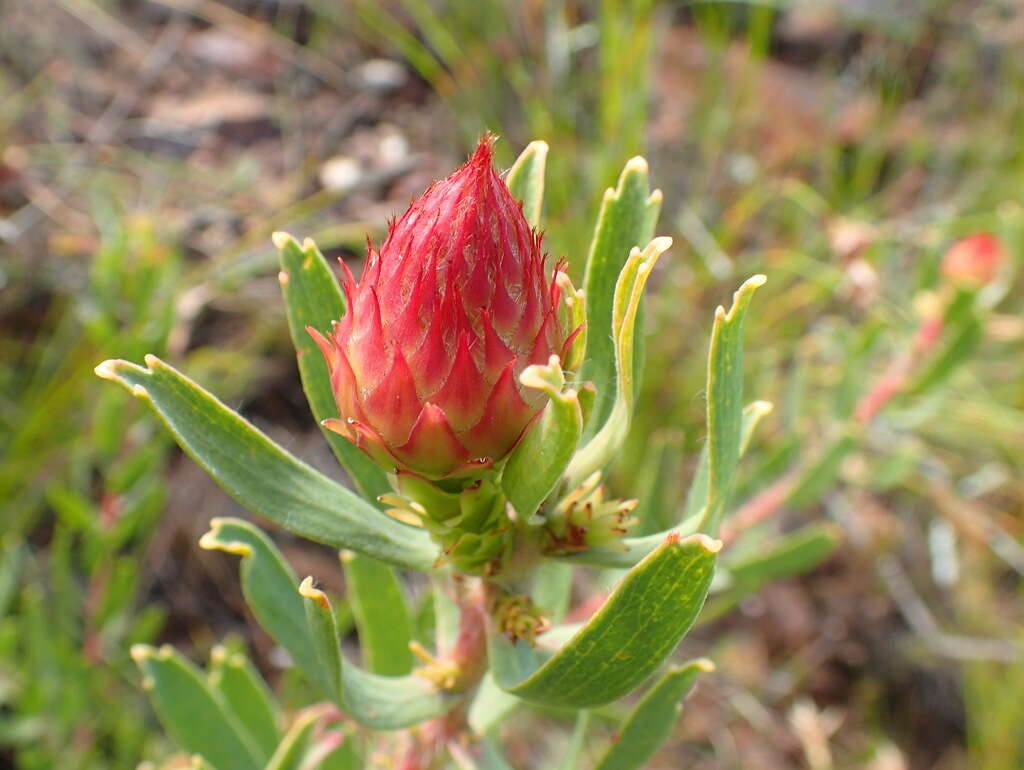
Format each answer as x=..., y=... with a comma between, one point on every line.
x=425, y=365
x=974, y=261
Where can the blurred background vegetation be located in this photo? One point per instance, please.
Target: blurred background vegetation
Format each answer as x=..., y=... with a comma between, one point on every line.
x=148, y=148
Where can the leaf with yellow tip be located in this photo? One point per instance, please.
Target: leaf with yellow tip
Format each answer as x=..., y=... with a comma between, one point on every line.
x=725, y=401
x=626, y=640
x=605, y=445
x=536, y=465
x=299, y=618
x=194, y=715
x=626, y=221
x=262, y=476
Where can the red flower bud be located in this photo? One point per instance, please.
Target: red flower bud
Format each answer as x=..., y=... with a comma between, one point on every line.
x=974, y=261
x=425, y=365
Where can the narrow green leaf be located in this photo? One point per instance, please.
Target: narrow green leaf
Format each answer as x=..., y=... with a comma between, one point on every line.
x=194, y=715
x=819, y=477
x=626, y=221
x=324, y=632
x=291, y=751
x=640, y=624
x=537, y=464
x=347, y=756
x=525, y=180
x=269, y=585
x=794, y=555
x=697, y=497
x=957, y=351
x=725, y=401
x=605, y=445
x=574, y=751
x=262, y=476
x=247, y=696
x=651, y=721
x=381, y=614
x=313, y=297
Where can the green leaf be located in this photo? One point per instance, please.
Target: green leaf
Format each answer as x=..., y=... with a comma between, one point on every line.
x=290, y=753
x=605, y=445
x=818, y=479
x=194, y=715
x=292, y=750
x=794, y=555
x=312, y=297
x=262, y=476
x=652, y=720
x=635, y=548
x=247, y=696
x=697, y=497
x=956, y=352
x=381, y=614
x=725, y=401
x=374, y=701
x=639, y=625
x=626, y=221
x=525, y=180
x=574, y=751
x=269, y=585
x=324, y=632
x=537, y=464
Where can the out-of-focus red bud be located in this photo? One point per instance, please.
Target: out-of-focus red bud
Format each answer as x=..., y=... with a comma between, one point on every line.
x=425, y=365
x=974, y=261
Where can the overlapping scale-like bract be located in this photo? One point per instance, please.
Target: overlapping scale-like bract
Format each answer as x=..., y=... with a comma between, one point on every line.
x=425, y=365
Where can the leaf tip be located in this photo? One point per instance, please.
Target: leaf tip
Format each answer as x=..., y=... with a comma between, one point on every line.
x=281, y=239
x=710, y=544
x=755, y=281
x=211, y=541
x=635, y=165
x=283, y=277
x=309, y=591
x=106, y=369
x=703, y=664
x=139, y=652
x=139, y=391
x=151, y=361
x=218, y=655
x=661, y=244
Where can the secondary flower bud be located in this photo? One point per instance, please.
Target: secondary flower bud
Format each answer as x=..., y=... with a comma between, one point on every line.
x=974, y=261
x=425, y=365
